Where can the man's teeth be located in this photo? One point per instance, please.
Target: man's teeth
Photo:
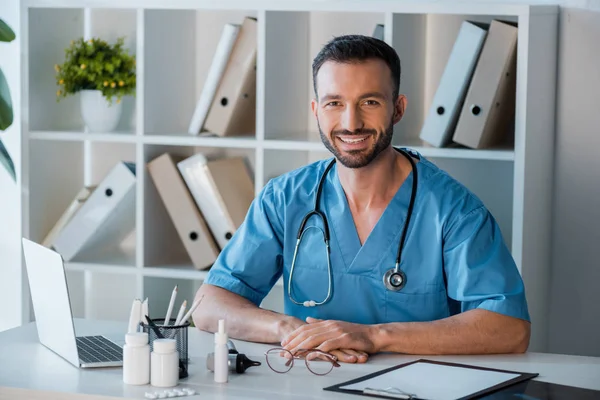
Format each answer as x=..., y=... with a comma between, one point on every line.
x=353, y=140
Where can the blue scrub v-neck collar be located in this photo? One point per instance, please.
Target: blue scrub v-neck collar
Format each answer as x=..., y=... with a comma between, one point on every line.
x=385, y=234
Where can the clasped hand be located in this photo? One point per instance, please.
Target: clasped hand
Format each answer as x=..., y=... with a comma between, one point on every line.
x=349, y=342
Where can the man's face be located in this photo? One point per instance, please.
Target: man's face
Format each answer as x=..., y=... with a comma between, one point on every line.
x=355, y=110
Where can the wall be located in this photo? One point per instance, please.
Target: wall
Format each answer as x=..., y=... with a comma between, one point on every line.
x=575, y=310
x=10, y=203
x=574, y=305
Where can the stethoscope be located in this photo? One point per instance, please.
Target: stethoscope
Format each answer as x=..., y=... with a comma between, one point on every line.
x=394, y=279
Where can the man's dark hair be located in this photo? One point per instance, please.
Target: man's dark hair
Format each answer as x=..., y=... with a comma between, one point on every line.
x=358, y=48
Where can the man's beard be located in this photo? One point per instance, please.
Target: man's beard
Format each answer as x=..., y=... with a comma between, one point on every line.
x=359, y=158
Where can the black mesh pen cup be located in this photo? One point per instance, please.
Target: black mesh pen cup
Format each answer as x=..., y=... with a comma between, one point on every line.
x=157, y=330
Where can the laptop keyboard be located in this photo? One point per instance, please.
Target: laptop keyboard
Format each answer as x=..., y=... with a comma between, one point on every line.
x=96, y=349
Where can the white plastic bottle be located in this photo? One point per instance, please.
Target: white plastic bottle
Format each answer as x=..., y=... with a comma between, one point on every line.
x=136, y=359
x=221, y=354
x=164, y=368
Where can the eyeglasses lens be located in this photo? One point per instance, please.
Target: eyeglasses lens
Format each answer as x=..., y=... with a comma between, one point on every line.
x=280, y=360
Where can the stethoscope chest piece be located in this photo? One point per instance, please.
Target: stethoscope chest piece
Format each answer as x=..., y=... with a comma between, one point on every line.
x=394, y=279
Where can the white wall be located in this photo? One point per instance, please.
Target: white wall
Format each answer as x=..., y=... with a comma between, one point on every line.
x=10, y=205
x=574, y=305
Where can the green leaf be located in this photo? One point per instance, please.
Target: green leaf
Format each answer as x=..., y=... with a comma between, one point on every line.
x=6, y=34
x=7, y=162
x=6, y=113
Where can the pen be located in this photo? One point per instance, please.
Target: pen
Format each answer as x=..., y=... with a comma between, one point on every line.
x=390, y=392
x=145, y=310
x=134, y=316
x=171, y=303
x=191, y=310
x=180, y=313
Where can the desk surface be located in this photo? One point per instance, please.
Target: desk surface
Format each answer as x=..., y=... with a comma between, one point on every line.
x=24, y=363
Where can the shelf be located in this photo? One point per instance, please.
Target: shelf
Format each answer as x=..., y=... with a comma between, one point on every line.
x=174, y=45
x=185, y=139
x=175, y=271
x=116, y=137
x=101, y=268
x=426, y=151
x=112, y=260
x=403, y=6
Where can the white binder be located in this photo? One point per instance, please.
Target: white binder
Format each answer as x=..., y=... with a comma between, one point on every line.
x=213, y=78
x=66, y=216
x=222, y=189
x=181, y=207
x=107, y=217
x=488, y=113
x=444, y=110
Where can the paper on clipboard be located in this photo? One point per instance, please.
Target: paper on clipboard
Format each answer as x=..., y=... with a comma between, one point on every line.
x=432, y=380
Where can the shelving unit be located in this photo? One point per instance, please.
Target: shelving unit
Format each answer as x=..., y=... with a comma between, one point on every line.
x=174, y=42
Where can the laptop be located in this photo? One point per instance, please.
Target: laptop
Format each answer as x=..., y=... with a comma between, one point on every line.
x=53, y=314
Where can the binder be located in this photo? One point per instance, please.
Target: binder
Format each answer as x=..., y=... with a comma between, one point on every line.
x=489, y=109
x=214, y=76
x=428, y=379
x=189, y=222
x=378, y=32
x=71, y=210
x=223, y=191
x=442, y=116
x=233, y=110
x=107, y=217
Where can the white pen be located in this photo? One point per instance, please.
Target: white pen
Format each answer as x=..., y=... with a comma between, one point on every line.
x=191, y=310
x=145, y=311
x=171, y=304
x=180, y=313
x=134, y=316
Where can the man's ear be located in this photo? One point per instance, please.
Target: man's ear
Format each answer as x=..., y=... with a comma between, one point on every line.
x=313, y=104
x=399, y=108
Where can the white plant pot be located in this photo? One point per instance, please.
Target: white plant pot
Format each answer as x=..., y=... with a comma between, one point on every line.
x=97, y=113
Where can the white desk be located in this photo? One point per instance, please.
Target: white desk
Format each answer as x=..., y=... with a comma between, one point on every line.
x=26, y=364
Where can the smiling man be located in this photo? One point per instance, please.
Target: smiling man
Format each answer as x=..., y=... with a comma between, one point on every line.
x=394, y=254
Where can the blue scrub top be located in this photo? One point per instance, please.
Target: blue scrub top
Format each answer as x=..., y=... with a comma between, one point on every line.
x=454, y=258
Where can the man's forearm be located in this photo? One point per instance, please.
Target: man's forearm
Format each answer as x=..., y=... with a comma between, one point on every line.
x=472, y=332
x=245, y=320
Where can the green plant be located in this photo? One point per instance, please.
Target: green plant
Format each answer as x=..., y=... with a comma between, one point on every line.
x=6, y=112
x=96, y=65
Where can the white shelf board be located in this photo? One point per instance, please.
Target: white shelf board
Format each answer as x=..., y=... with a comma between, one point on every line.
x=182, y=272
x=101, y=268
x=426, y=151
x=401, y=6
x=116, y=137
x=174, y=271
x=185, y=139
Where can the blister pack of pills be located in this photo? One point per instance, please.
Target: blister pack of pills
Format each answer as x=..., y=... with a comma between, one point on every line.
x=167, y=394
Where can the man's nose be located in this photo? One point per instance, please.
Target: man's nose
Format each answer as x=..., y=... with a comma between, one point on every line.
x=352, y=119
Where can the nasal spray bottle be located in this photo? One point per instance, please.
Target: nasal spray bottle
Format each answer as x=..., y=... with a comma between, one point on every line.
x=221, y=354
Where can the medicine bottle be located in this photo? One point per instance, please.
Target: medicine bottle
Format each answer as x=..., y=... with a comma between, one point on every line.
x=221, y=354
x=136, y=359
x=164, y=368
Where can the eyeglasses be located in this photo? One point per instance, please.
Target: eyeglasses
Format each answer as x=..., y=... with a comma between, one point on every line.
x=318, y=362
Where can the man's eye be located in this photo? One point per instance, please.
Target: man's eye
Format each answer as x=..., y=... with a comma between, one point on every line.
x=371, y=102
x=333, y=104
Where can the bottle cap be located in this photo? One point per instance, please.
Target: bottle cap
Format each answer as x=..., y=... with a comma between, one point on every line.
x=164, y=345
x=136, y=338
x=221, y=336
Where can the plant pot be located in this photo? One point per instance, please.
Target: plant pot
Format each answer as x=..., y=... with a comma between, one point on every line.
x=97, y=113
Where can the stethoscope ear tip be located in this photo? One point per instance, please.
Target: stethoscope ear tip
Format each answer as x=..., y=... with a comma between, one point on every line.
x=309, y=303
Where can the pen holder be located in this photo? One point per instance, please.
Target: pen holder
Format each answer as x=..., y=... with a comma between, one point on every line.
x=157, y=330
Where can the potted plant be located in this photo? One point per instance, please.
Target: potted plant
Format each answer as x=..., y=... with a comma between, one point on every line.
x=6, y=113
x=103, y=73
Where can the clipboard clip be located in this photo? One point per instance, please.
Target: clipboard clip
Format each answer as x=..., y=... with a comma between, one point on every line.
x=392, y=392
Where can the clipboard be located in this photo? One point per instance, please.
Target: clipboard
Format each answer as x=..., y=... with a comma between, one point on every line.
x=502, y=379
